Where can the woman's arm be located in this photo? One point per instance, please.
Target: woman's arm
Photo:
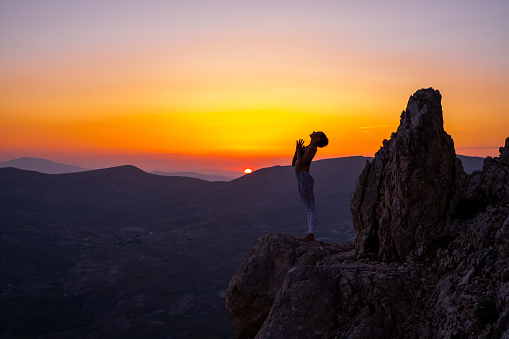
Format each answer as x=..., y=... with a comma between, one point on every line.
x=297, y=155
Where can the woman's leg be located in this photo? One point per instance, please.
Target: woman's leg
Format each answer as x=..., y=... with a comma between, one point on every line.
x=306, y=184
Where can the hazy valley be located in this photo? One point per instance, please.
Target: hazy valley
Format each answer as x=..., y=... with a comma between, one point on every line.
x=120, y=252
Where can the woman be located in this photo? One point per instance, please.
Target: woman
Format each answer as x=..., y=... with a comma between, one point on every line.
x=302, y=162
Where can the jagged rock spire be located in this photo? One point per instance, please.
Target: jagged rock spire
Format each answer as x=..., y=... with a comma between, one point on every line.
x=401, y=197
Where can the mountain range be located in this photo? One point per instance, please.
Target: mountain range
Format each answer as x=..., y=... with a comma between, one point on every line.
x=47, y=166
x=119, y=252
x=50, y=167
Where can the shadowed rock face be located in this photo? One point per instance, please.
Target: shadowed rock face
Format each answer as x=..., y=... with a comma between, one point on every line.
x=253, y=290
x=401, y=197
x=430, y=258
x=259, y=278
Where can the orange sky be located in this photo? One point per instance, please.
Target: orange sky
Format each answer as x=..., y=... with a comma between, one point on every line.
x=190, y=85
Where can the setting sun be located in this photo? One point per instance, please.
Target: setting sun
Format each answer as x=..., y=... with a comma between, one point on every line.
x=247, y=170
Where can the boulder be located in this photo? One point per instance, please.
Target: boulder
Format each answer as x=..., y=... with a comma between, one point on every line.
x=351, y=301
x=253, y=289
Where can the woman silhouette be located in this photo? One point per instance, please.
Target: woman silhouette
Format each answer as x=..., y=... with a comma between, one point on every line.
x=302, y=162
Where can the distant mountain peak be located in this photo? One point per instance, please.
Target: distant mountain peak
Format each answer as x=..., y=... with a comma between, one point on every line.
x=41, y=165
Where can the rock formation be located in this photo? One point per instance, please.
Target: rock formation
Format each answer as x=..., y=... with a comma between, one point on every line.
x=401, y=198
x=430, y=259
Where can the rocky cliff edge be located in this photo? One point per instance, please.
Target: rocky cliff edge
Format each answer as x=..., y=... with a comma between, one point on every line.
x=430, y=259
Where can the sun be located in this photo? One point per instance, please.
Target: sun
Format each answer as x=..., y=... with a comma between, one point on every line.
x=247, y=170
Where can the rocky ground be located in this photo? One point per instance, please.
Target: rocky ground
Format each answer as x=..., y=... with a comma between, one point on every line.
x=429, y=259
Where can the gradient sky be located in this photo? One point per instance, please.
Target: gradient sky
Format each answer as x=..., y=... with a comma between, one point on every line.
x=232, y=84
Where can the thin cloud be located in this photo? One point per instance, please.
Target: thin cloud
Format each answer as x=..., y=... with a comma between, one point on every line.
x=477, y=147
x=365, y=129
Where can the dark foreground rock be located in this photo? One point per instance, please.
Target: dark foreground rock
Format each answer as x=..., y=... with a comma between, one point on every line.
x=430, y=259
x=263, y=272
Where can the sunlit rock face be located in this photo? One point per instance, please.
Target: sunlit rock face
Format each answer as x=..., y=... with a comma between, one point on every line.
x=401, y=197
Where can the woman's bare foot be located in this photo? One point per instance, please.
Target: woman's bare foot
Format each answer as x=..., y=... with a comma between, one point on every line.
x=309, y=237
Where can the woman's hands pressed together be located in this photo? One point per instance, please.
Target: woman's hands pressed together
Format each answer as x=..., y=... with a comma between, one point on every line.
x=300, y=144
